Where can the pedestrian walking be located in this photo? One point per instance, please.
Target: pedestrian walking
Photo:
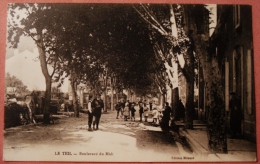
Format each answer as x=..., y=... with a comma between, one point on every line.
x=141, y=110
x=166, y=117
x=126, y=111
x=118, y=108
x=136, y=106
x=146, y=110
x=155, y=113
x=151, y=106
x=90, y=114
x=235, y=115
x=97, y=105
x=132, y=110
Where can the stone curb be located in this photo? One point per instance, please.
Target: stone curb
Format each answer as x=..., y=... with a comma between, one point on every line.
x=195, y=146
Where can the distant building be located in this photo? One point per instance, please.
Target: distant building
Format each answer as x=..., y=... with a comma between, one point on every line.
x=10, y=90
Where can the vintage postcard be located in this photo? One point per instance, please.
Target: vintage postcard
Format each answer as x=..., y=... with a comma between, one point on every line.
x=129, y=82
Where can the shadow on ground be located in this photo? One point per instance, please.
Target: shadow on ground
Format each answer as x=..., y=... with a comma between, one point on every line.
x=156, y=140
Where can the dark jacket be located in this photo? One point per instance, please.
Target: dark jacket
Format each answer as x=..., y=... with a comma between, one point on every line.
x=97, y=106
x=235, y=113
x=132, y=109
x=118, y=106
x=167, y=113
x=141, y=109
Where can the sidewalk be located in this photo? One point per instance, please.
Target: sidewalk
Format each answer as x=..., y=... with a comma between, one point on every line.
x=238, y=149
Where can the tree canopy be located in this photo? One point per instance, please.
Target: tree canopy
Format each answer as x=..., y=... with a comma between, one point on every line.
x=18, y=87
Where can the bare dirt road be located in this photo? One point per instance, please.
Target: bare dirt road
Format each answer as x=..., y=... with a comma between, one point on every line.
x=115, y=141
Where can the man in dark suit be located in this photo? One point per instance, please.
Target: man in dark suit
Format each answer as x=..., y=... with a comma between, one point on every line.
x=166, y=117
x=235, y=115
x=97, y=105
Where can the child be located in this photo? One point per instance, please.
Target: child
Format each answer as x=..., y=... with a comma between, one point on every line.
x=155, y=115
x=126, y=111
x=132, y=109
x=146, y=109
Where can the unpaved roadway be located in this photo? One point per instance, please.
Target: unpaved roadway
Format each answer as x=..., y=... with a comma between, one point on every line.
x=115, y=141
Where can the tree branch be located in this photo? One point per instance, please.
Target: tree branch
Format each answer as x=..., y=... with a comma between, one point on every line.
x=158, y=29
x=54, y=69
x=153, y=18
x=159, y=51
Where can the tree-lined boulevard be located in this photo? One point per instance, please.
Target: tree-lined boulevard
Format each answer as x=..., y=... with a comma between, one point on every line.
x=143, y=50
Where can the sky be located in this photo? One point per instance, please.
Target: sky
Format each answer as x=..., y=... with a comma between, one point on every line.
x=25, y=65
x=23, y=62
x=213, y=17
x=26, y=43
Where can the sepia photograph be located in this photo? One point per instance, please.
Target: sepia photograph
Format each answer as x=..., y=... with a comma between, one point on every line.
x=129, y=82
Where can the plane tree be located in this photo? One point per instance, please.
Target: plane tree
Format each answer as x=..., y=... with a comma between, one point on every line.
x=118, y=42
x=184, y=30
x=35, y=21
x=174, y=48
x=123, y=45
x=215, y=105
x=64, y=38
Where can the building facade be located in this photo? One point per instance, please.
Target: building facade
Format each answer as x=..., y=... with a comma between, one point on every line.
x=232, y=42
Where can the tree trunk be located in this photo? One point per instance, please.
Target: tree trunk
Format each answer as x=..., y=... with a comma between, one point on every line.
x=112, y=98
x=175, y=101
x=105, y=94
x=215, y=107
x=163, y=100
x=46, y=111
x=187, y=68
x=74, y=97
x=81, y=97
x=105, y=100
x=189, y=112
x=43, y=62
x=190, y=78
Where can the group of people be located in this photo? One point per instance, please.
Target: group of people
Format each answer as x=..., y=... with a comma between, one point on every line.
x=127, y=111
x=95, y=107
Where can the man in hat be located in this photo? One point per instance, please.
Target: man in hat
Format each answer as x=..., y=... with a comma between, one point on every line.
x=166, y=117
x=235, y=115
x=118, y=108
x=97, y=105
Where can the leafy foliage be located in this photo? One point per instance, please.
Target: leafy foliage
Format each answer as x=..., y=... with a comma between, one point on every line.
x=19, y=88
